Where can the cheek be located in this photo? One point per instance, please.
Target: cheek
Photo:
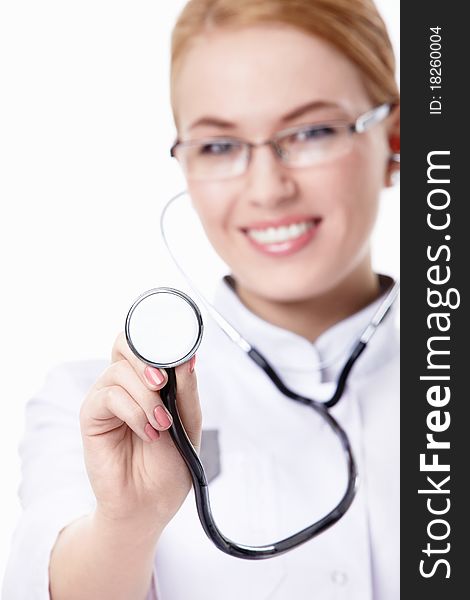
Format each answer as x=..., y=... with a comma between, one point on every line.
x=214, y=209
x=351, y=201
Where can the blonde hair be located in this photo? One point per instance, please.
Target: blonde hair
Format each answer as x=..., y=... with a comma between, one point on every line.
x=353, y=26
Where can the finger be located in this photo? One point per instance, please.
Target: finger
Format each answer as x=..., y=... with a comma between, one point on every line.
x=152, y=377
x=116, y=406
x=187, y=399
x=122, y=373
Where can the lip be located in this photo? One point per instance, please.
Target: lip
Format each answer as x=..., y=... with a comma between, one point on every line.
x=288, y=247
x=281, y=222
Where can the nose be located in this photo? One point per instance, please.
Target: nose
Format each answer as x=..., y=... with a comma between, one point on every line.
x=268, y=182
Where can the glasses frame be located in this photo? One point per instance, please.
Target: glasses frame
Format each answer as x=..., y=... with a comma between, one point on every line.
x=363, y=123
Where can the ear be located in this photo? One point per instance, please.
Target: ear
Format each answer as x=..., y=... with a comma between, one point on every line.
x=393, y=137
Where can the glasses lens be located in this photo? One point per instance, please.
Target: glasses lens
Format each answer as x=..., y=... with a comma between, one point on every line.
x=213, y=159
x=314, y=144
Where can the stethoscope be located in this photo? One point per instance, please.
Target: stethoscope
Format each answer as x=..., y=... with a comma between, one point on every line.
x=164, y=329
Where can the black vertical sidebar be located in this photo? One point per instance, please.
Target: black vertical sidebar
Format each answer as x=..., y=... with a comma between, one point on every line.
x=435, y=266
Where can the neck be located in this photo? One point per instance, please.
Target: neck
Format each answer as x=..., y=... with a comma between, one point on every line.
x=310, y=317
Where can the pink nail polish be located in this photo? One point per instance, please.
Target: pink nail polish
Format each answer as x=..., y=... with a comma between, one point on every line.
x=152, y=433
x=162, y=417
x=154, y=376
x=192, y=362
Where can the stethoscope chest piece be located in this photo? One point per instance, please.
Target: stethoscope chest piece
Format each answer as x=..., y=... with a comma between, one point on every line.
x=164, y=327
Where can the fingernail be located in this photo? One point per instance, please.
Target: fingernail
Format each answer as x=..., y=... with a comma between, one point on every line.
x=192, y=362
x=162, y=417
x=152, y=433
x=154, y=376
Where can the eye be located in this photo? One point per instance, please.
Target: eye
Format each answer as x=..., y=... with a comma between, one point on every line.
x=315, y=132
x=217, y=148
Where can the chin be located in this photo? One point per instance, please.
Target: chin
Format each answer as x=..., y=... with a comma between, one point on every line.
x=282, y=290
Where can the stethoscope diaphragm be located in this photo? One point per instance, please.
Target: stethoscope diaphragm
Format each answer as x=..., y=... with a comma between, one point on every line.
x=164, y=327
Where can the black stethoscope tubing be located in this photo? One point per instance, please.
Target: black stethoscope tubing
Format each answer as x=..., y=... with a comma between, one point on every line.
x=200, y=484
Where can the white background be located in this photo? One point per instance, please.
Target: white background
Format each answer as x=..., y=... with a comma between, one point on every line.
x=85, y=128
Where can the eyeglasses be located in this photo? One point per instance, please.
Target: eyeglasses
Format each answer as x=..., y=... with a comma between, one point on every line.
x=217, y=158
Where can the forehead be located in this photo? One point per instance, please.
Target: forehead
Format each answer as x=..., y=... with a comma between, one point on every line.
x=253, y=76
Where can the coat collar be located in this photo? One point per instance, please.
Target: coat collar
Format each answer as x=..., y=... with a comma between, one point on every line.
x=295, y=356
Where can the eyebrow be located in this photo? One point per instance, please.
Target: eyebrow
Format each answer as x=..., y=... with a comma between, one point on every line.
x=294, y=114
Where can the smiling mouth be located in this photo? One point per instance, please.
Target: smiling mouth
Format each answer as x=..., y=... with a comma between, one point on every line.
x=283, y=233
x=283, y=239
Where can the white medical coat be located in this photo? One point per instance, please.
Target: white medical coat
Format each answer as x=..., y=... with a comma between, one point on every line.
x=356, y=559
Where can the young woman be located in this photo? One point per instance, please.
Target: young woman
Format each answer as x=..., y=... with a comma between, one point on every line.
x=265, y=98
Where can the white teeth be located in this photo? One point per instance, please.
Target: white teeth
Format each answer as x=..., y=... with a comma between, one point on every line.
x=273, y=235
